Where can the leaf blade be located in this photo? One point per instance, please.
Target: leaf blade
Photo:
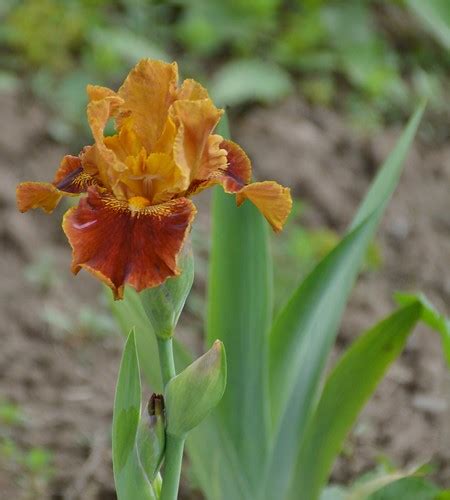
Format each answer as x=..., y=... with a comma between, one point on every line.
x=432, y=318
x=435, y=14
x=129, y=313
x=304, y=331
x=129, y=477
x=239, y=314
x=348, y=387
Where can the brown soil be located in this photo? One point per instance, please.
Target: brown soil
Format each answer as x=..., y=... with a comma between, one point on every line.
x=64, y=379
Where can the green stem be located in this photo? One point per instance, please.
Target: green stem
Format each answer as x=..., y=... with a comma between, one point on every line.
x=172, y=467
x=173, y=455
x=165, y=350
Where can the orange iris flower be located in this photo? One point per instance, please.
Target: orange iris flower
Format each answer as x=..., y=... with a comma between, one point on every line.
x=132, y=224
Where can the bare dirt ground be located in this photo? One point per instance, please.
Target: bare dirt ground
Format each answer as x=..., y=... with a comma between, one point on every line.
x=63, y=379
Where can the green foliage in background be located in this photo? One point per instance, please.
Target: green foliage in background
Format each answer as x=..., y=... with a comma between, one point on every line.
x=388, y=483
x=282, y=420
x=245, y=50
x=30, y=468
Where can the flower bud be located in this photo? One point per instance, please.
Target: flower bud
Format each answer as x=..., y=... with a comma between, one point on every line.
x=163, y=304
x=151, y=437
x=192, y=394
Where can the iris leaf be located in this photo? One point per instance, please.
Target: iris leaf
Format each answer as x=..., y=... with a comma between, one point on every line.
x=432, y=318
x=129, y=313
x=215, y=463
x=130, y=479
x=304, y=331
x=435, y=15
x=348, y=387
x=239, y=314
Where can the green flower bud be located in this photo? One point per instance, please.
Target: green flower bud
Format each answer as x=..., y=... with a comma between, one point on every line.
x=192, y=394
x=151, y=437
x=163, y=304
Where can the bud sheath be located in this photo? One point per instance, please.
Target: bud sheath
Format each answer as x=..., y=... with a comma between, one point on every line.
x=163, y=304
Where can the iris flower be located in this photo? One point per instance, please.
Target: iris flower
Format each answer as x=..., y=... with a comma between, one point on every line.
x=131, y=225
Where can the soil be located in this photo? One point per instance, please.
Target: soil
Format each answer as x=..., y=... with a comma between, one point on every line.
x=63, y=378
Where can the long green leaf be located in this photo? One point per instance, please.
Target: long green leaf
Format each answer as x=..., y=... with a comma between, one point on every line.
x=304, y=331
x=129, y=313
x=347, y=389
x=411, y=488
x=239, y=314
x=432, y=318
x=215, y=463
x=435, y=14
x=394, y=485
x=129, y=477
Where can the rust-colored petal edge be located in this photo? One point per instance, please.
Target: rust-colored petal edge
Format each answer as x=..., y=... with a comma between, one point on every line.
x=120, y=246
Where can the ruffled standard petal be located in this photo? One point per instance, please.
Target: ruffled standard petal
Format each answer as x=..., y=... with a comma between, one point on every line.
x=124, y=246
x=148, y=92
x=70, y=180
x=99, y=159
x=97, y=92
x=195, y=121
x=192, y=90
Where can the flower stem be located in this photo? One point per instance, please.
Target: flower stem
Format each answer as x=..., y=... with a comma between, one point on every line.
x=172, y=467
x=165, y=350
x=173, y=455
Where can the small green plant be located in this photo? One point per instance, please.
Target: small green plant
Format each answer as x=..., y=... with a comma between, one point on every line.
x=10, y=413
x=30, y=468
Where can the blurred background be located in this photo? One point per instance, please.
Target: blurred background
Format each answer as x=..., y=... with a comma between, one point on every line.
x=317, y=92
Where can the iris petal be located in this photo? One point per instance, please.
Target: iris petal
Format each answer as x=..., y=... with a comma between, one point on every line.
x=99, y=159
x=70, y=180
x=123, y=246
x=272, y=200
x=148, y=92
x=195, y=121
x=192, y=90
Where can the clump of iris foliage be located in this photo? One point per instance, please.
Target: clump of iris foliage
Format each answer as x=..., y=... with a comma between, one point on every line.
x=282, y=420
x=258, y=422
x=394, y=53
